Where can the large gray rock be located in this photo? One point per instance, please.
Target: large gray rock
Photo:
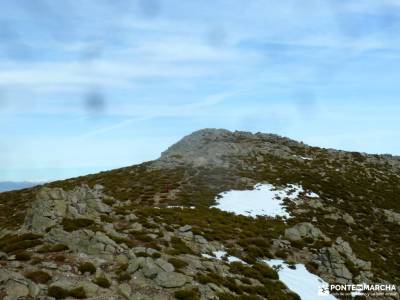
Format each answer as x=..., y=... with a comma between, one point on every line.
x=125, y=290
x=392, y=216
x=34, y=290
x=164, y=265
x=304, y=230
x=171, y=279
x=200, y=239
x=4, y=276
x=133, y=266
x=333, y=265
x=53, y=204
x=185, y=228
x=348, y=219
x=343, y=247
x=85, y=241
x=150, y=268
x=16, y=290
x=90, y=288
x=66, y=284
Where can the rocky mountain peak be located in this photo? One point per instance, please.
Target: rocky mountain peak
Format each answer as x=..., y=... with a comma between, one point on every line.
x=157, y=230
x=215, y=146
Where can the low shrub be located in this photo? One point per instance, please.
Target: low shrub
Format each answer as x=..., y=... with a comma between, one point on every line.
x=87, y=267
x=177, y=263
x=122, y=240
x=38, y=276
x=52, y=248
x=102, y=282
x=60, y=258
x=11, y=243
x=57, y=292
x=23, y=256
x=124, y=276
x=36, y=260
x=179, y=247
x=106, y=219
x=76, y=224
x=77, y=293
x=188, y=294
x=281, y=254
x=142, y=254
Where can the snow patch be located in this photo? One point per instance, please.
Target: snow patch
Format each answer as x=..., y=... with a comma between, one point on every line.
x=304, y=157
x=312, y=195
x=264, y=199
x=220, y=254
x=307, y=285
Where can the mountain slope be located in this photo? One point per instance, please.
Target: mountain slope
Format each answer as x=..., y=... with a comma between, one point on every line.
x=12, y=185
x=357, y=213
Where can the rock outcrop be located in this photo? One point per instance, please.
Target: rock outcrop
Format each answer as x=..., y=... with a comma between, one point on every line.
x=210, y=147
x=334, y=263
x=392, y=216
x=304, y=230
x=54, y=204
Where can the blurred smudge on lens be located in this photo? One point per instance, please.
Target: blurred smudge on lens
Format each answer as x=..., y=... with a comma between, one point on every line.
x=216, y=36
x=306, y=103
x=150, y=8
x=95, y=102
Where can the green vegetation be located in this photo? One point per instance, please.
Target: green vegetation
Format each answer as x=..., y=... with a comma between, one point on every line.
x=60, y=293
x=179, y=247
x=13, y=243
x=177, y=263
x=142, y=254
x=130, y=243
x=123, y=276
x=60, y=258
x=76, y=224
x=102, y=282
x=270, y=288
x=22, y=255
x=259, y=271
x=47, y=248
x=77, y=293
x=57, y=292
x=229, y=296
x=38, y=276
x=253, y=236
x=87, y=267
x=188, y=294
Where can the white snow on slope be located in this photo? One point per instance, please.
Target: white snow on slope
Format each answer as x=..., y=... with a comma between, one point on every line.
x=312, y=195
x=264, y=199
x=220, y=254
x=307, y=285
x=306, y=158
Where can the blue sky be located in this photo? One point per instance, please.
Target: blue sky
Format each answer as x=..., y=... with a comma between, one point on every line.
x=97, y=84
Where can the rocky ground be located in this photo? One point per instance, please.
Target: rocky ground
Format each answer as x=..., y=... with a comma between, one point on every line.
x=149, y=231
